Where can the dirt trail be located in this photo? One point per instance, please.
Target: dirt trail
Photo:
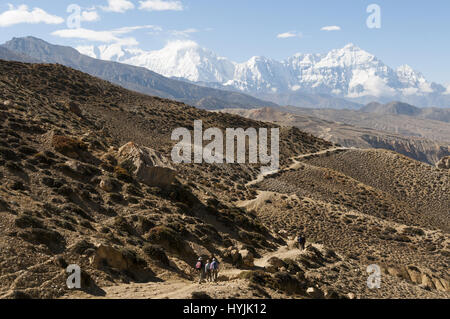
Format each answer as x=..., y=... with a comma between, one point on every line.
x=295, y=165
x=181, y=289
x=282, y=253
x=295, y=159
x=262, y=196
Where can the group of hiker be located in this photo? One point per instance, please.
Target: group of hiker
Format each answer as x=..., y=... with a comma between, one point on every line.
x=208, y=271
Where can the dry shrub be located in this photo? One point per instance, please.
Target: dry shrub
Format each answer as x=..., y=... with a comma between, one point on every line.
x=68, y=146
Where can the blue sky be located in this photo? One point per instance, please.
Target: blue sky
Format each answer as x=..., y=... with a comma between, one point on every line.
x=412, y=32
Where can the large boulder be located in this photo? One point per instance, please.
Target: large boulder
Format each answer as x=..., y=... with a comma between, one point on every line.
x=444, y=163
x=147, y=166
x=111, y=257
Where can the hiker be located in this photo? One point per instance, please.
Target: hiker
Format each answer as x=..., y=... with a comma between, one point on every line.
x=208, y=270
x=200, y=268
x=301, y=242
x=214, y=269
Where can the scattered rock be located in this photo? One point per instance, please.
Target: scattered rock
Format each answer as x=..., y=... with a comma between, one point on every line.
x=315, y=293
x=106, y=184
x=351, y=295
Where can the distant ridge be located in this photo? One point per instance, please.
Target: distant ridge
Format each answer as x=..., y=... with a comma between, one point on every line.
x=399, y=108
x=396, y=108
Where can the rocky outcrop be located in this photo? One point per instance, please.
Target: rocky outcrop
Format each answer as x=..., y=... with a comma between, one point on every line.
x=444, y=163
x=422, y=277
x=123, y=260
x=147, y=166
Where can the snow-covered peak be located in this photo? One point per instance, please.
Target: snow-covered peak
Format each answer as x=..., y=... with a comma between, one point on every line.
x=185, y=59
x=414, y=81
x=348, y=56
x=407, y=73
x=346, y=72
x=301, y=60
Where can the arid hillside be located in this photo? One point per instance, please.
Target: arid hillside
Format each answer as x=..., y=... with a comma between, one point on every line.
x=87, y=179
x=418, y=148
x=373, y=206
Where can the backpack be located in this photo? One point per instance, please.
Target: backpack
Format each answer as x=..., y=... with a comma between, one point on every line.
x=213, y=265
x=198, y=265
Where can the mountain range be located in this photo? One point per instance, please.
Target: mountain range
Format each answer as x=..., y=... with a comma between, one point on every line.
x=347, y=73
x=31, y=49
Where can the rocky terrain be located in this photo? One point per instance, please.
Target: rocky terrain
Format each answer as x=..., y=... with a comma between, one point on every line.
x=87, y=180
x=417, y=148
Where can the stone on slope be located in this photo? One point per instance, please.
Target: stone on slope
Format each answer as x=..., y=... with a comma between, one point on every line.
x=247, y=258
x=147, y=165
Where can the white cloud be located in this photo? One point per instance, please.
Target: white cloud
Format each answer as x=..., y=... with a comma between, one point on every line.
x=331, y=28
x=90, y=16
x=96, y=36
x=22, y=14
x=106, y=36
x=119, y=6
x=124, y=30
x=184, y=33
x=290, y=34
x=160, y=5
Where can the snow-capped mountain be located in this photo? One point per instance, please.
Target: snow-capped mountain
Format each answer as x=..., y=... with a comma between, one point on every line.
x=349, y=72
